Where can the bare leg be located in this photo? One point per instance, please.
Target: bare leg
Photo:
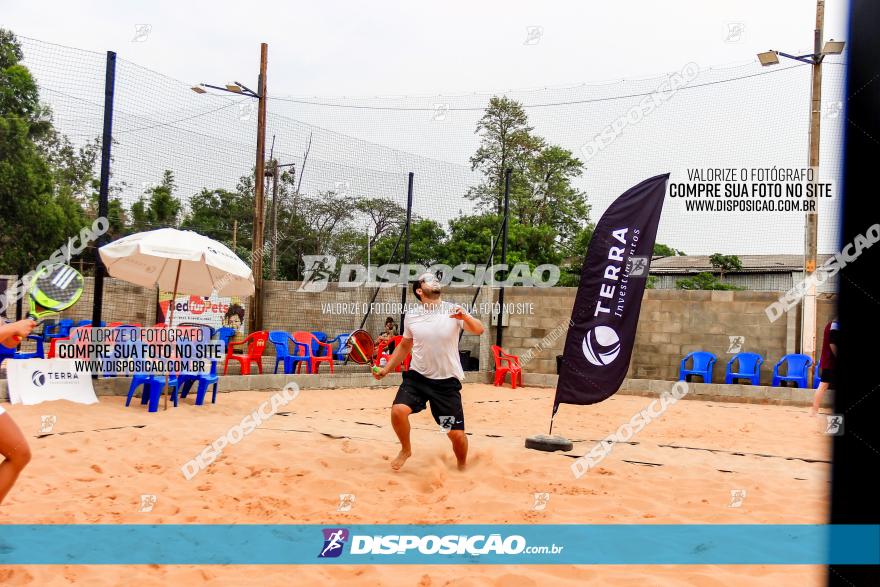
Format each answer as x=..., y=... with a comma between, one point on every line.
x=16, y=453
x=400, y=422
x=817, y=398
x=459, y=447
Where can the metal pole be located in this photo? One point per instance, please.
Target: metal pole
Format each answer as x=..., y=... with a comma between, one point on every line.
x=256, y=309
x=274, y=218
x=811, y=224
x=104, y=190
x=498, y=330
x=409, y=196
x=367, y=232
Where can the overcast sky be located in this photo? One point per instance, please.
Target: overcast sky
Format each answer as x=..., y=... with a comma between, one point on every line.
x=404, y=47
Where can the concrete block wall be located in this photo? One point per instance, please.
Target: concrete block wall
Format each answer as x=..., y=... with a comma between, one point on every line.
x=672, y=324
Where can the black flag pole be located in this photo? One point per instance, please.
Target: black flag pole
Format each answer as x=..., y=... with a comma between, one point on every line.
x=602, y=331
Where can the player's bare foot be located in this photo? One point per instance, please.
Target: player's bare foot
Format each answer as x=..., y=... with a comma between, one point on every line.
x=462, y=465
x=397, y=463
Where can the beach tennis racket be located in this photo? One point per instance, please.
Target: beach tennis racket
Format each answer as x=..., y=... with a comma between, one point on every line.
x=53, y=289
x=361, y=347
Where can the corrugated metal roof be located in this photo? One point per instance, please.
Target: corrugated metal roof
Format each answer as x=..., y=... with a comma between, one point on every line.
x=750, y=263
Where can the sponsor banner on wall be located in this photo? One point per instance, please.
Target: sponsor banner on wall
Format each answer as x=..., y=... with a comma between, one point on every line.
x=214, y=311
x=33, y=381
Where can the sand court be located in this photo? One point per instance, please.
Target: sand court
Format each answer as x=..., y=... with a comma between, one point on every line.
x=700, y=462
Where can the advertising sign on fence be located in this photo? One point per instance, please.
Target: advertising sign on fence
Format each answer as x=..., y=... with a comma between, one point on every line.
x=214, y=311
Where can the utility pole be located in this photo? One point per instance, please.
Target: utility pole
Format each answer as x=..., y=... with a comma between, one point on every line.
x=234, y=235
x=256, y=307
x=811, y=220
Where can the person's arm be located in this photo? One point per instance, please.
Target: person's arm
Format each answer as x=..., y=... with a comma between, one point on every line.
x=468, y=322
x=11, y=334
x=396, y=358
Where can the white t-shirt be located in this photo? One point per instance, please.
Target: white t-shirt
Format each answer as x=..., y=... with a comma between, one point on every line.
x=435, y=341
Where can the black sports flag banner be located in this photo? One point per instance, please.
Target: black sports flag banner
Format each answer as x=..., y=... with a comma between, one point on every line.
x=606, y=310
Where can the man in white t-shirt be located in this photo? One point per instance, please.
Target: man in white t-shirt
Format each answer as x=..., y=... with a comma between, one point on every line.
x=431, y=333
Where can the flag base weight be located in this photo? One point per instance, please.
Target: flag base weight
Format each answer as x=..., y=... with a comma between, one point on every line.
x=548, y=443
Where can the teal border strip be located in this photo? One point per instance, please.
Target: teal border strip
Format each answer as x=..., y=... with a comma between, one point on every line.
x=646, y=544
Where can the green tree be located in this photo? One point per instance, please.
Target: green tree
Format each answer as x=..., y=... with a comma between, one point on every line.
x=661, y=250
x=218, y=213
x=506, y=141
x=157, y=207
x=36, y=217
x=725, y=263
x=704, y=281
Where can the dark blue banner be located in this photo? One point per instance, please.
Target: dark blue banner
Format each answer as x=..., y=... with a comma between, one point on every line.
x=606, y=309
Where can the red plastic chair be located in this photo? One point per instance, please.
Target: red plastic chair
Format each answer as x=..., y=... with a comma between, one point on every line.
x=382, y=354
x=52, y=343
x=256, y=344
x=512, y=366
x=315, y=354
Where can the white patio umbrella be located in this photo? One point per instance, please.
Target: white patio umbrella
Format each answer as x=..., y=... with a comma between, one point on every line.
x=181, y=261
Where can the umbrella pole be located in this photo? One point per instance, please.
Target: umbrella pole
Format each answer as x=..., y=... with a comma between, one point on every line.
x=168, y=326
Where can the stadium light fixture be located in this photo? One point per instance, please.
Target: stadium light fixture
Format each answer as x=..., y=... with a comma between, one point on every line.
x=233, y=88
x=833, y=47
x=768, y=58
x=198, y=89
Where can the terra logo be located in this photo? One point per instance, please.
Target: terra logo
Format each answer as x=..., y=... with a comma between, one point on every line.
x=38, y=378
x=601, y=345
x=334, y=541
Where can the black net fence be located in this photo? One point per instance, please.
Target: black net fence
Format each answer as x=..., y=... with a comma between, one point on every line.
x=337, y=184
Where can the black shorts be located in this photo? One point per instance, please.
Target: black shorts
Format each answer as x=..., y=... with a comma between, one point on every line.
x=443, y=394
x=827, y=375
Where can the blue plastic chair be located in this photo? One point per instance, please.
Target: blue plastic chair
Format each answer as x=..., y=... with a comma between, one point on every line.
x=203, y=380
x=224, y=334
x=185, y=381
x=797, y=370
x=37, y=354
x=748, y=367
x=703, y=362
x=817, y=378
x=59, y=330
x=281, y=340
x=6, y=353
x=122, y=344
x=153, y=384
x=12, y=353
x=341, y=351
